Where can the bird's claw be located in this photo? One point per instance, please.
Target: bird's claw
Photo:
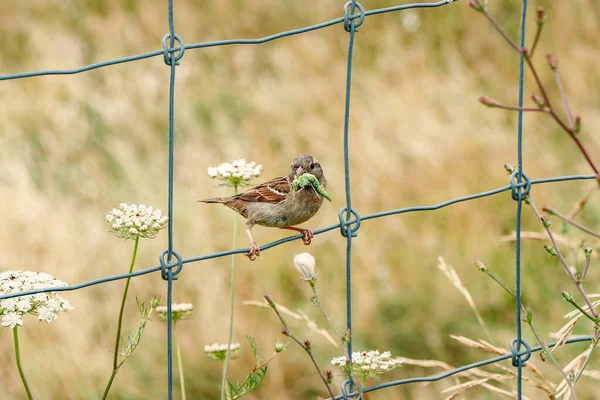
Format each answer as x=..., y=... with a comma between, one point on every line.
x=308, y=235
x=253, y=253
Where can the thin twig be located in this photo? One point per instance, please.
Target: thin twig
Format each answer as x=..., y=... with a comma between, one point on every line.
x=562, y=260
x=288, y=332
x=564, y=97
x=538, y=33
x=529, y=321
x=586, y=266
x=578, y=206
x=496, y=25
x=496, y=104
x=550, y=210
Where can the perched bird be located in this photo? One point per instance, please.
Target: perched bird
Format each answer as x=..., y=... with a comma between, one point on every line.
x=276, y=204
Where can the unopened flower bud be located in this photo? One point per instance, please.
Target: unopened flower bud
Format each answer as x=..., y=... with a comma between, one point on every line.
x=550, y=250
x=528, y=317
x=548, y=209
x=305, y=264
x=286, y=332
x=546, y=222
x=577, y=127
x=566, y=295
x=587, y=251
x=538, y=100
x=329, y=376
x=475, y=5
x=551, y=60
x=279, y=347
x=509, y=168
x=270, y=300
x=307, y=344
x=485, y=101
x=540, y=15
x=480, y=265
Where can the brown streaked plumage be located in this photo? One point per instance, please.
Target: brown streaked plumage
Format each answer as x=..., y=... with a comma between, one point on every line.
x=273, y=203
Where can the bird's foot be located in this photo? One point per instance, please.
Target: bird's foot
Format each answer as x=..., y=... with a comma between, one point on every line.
x=308, y=235
x=253, y=253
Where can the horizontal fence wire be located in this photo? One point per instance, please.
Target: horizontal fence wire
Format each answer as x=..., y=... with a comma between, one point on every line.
x=292, y=238
x=349, y=219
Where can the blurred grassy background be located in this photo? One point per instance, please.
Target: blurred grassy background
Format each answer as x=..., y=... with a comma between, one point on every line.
x=73, y=147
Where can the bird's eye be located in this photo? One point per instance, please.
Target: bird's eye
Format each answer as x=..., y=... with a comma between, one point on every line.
x=312, y=165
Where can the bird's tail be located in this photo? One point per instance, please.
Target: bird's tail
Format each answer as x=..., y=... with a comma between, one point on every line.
x=214, y=200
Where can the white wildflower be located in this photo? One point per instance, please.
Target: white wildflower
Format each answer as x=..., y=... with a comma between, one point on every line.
x=368, y=365
x=45, y=306
x=131, y=221
x=218, y=351
x=238, y=173
x=178, y=311
x=305, y=264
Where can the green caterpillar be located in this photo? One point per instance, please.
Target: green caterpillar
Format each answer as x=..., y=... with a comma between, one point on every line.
x=309, y=179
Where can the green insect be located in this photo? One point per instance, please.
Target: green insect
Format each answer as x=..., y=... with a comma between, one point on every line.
x=309, y=179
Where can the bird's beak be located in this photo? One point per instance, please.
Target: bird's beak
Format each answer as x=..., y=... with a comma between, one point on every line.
x=299, y=172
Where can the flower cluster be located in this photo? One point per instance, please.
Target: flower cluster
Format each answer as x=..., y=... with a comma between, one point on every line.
x=369, y=364
x=218, y=351
x=178, y=311
x=238, y=173
x=45, y=306
x=132, y=221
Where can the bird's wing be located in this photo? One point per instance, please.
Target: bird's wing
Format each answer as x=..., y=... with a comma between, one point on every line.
x=273, y=191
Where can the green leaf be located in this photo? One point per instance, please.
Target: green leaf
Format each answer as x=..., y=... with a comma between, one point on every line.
x=251, y=382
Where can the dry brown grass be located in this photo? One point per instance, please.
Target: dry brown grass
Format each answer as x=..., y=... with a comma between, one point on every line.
x=75, y=146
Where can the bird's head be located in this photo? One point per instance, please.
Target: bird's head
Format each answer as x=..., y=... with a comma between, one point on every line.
x=304, y=164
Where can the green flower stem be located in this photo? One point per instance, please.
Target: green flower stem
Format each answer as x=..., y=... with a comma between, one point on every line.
x=287, y=332
x=315, y=300
x=120, y=323
x=19, y=367
x=179, y=363
x=231, y=307
x=587, y=358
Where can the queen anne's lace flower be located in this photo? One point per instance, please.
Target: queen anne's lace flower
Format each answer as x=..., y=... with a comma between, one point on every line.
x=45, y=306
x=131, y=221
x=218, y=351
x=368, y=364
x=238, y=173
x=178, y=311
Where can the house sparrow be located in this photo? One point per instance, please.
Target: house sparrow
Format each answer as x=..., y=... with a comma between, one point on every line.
x=276, y=204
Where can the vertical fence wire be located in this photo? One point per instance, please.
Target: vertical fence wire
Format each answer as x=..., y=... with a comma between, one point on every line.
x=519, y=207
x=173, y=64
x=351, y=28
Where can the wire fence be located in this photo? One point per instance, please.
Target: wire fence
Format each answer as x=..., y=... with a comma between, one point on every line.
x=171, y=263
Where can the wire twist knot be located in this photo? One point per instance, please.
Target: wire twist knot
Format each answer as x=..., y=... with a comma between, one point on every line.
x=346, y=387
x=518, y=358
x=517, y=183
x=173, y=54
x=167, y=268
x=349, y=226
x=349, y=23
